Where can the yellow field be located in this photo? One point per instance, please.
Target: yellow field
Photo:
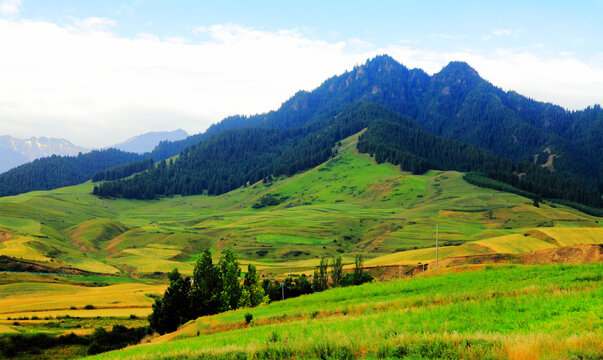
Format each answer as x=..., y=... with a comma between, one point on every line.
x=18, y=247
x=92, y=265
x=57, y=299
x=153, y=258
x=427, y=255
x=508, y=244
x=125, y=312
x=515, y=244
x=572, y=235
x=4, y=329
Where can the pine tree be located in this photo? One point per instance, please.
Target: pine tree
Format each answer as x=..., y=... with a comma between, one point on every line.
x=174, y=308
x=337, y=272
x=231, y=286
x=207, y=286
x=253, y=293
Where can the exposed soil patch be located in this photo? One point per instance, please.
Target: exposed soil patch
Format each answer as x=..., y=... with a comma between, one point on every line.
x=575, y=254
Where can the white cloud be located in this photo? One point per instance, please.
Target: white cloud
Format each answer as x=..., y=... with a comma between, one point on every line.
x=501, y=32
x=449, y=36
x=85, y=83
x=10, y=7
x=93, y=24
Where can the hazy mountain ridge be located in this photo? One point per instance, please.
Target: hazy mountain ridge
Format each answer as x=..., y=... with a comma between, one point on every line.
x=14, y=152
x=148, y=141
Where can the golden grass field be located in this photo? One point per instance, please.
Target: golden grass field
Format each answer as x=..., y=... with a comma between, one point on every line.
x=26, y=299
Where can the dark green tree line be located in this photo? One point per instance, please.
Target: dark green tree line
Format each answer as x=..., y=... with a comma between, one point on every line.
x=212, y=289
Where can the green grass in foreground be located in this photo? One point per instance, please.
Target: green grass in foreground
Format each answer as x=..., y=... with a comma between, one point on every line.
x=508, y=312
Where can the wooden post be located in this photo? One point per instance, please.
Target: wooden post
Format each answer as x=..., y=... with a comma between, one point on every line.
x=437, y=231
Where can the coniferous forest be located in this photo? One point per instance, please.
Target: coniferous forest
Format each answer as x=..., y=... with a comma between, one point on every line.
x=58, y=171
x=260, y=152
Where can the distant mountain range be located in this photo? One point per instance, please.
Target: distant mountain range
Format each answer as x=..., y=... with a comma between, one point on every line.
x=14, y=152
x=57, y=170
x=147, y=142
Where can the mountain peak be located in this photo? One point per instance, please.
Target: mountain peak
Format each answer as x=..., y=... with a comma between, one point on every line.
x=458, y=69
x=382, y=62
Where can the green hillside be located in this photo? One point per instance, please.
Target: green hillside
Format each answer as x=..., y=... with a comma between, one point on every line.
x=347, y=205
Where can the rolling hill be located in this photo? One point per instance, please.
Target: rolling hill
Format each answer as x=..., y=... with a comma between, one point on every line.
x=347, y=205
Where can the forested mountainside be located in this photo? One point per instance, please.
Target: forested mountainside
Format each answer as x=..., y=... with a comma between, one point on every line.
x=236, y=157
x=58, y=171
x=456, y=103
x=417, y=151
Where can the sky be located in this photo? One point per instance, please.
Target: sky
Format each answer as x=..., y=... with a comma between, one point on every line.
x=99, y=72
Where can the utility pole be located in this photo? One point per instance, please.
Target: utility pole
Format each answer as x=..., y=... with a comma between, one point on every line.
x=400, y=272
x=283, y=289
x=437, y=229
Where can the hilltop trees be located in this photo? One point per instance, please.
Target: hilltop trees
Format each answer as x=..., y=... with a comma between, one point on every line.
x=122, y=171
x=214, y=288
x=58, y=171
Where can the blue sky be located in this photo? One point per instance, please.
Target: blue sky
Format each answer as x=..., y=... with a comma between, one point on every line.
x=556, y=26
x=125, y=67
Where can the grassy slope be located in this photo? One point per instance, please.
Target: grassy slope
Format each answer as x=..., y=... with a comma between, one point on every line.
x=348, y=204
x=517, y=312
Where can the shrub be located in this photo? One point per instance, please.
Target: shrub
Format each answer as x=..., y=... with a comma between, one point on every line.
x=248, y=318
x=274, y=337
